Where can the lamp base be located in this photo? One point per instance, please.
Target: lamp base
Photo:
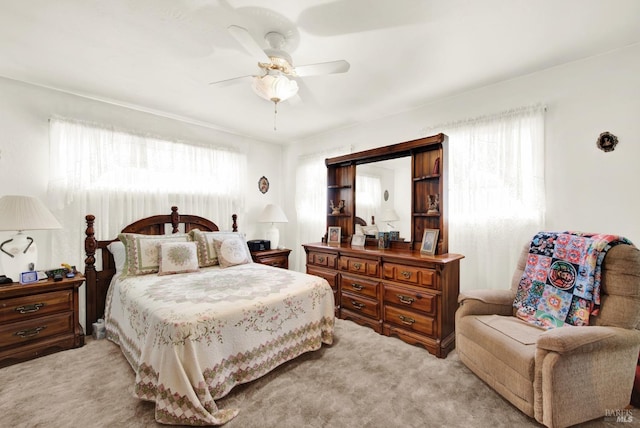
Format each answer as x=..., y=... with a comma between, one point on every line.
x=273, y=235
x=25, y=256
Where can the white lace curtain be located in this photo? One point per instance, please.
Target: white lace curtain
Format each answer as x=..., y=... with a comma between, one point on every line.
x=121, y=176
x=368, y=196
x=311, y=200
x=496, y=192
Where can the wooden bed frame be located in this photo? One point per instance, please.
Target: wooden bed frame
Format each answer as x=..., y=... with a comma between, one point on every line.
x=97, y=281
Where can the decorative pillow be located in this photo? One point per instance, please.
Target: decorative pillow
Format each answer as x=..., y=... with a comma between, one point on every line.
x=116, y=248
x=231, y=251
x=206, y=252
x=177, y=257
x=142, y=251
x=359, y=229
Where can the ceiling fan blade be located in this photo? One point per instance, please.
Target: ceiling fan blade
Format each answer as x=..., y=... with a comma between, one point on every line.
x=227, y=82
x=248, y=43
x=340, y=66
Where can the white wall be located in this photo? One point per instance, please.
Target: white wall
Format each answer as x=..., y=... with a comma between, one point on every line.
x=586, y=189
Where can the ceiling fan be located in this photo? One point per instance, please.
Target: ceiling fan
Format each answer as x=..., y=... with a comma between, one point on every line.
x=277, y=82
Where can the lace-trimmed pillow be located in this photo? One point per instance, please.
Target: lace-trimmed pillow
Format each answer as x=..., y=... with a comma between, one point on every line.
x=207, y=254
x=177, y=257
x=142, y=251
x=232, y=250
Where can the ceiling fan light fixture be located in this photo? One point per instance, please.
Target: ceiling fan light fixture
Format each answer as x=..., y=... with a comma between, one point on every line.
x=274, y=88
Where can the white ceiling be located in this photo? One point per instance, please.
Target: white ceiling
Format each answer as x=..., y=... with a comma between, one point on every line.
x=160, y=55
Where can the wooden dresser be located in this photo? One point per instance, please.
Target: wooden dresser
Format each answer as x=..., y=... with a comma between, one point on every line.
x=396, y=292
x=39, y=319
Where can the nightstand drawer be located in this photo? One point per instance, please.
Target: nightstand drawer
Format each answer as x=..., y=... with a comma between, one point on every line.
x=27, y=307
x=277, y=261
x=37, y=328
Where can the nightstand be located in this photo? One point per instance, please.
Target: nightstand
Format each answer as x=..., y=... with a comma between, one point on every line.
x=277, y=258
x=39, y=319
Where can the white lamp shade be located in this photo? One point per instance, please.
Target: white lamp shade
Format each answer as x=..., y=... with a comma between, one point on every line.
x=25, y=213
x=389, y=214
x=273, y=214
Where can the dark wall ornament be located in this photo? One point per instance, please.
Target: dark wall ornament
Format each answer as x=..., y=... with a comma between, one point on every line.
x=607, y=142
x=263, y=185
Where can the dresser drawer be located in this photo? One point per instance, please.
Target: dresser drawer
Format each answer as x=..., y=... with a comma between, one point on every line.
x=322, y=259
x=359, y=285
x=361, y=266
x=36, y=328
x=410, y=275
x=410, y=298
x=360, y=304
x=330, y=275
x=27, y=307
x=410, y=320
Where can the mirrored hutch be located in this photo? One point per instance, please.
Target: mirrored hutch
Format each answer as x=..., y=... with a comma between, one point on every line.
x=392, y=286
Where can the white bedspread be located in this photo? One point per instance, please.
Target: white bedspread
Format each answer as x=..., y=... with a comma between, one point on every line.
x=191, y=338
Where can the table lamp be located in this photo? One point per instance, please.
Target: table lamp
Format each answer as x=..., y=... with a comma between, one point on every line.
x=389, y=215
x=19, y=213
x=273, y=214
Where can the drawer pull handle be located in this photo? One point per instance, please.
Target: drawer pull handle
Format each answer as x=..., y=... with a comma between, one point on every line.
x=407, y=320
x=25, y=334
x=357, y=286
x=357, y=266
x=357, y=305
x=321, y=259
x=27, y=309
x=406, y=299
x=406, y=274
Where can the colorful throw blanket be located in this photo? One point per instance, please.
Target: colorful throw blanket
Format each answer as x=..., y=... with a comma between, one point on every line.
x=561, y=281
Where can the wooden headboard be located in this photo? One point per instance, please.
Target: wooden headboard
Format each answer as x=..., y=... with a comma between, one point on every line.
x=97, y=281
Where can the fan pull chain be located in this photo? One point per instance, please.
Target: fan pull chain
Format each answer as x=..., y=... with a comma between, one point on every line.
x=275, y=115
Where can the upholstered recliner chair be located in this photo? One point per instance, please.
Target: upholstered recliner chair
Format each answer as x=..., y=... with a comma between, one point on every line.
x=565, y=375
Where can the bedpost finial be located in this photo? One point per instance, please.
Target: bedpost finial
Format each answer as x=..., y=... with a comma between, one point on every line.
x=175, y=219
x=234, y=217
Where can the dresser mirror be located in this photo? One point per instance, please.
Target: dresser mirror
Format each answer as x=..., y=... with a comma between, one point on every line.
x=383, y=190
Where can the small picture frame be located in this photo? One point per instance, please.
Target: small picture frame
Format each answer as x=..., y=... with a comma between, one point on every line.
x=28, y=277
x=333, y=235
x=429, y=242
x=358, y=240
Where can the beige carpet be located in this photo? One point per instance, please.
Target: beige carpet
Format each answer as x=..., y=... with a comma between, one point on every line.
x=363, y=380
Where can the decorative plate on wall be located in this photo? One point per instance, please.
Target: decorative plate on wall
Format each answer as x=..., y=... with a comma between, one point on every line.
x=263, y=184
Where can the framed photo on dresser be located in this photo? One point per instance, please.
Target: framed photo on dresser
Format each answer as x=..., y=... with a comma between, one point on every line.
x=333, y=235
x=429, y=242
x=358, y=240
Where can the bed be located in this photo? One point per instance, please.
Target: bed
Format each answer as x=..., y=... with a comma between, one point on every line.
x=192, y=328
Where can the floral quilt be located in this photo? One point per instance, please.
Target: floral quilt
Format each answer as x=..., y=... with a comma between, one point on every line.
x=192, y=337
x=561, y=281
